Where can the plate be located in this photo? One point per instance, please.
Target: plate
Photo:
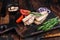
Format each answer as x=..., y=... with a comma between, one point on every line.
x=32, y=29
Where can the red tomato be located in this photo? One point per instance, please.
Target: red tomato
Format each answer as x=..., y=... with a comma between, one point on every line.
x=24, y=12
x=19, y=19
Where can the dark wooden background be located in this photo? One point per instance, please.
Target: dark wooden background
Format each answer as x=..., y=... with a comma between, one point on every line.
x=33, y=5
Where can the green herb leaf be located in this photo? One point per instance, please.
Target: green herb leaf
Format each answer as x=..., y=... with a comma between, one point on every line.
x=36, y=13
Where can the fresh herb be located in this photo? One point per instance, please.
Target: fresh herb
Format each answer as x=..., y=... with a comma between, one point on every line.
x=36, y=13
x=49, y=24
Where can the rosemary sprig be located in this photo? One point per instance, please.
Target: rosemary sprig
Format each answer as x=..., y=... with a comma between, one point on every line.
x=36, y=13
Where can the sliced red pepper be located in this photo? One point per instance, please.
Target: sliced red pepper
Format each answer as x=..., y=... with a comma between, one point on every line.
x=24, y=12
x=19, y=19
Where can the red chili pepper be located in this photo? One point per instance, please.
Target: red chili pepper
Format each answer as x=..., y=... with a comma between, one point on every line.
x=19, y=19
x=24, y=12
